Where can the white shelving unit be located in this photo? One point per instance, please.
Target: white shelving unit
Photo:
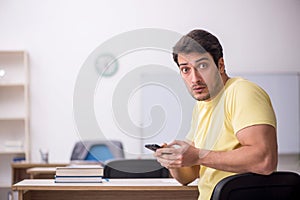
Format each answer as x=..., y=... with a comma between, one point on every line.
x=14, y=113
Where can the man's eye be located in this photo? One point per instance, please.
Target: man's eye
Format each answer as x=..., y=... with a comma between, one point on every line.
x=184, y=70
x=202, y=65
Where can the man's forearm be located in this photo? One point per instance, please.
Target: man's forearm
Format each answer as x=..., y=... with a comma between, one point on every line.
x=243, y=159
x=185, y=175
x=257, y=153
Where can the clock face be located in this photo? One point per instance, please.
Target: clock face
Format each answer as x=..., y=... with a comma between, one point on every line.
x=2, y=73
x=106, y=65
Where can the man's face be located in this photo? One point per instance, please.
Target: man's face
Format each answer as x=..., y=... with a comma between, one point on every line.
x=200, y=74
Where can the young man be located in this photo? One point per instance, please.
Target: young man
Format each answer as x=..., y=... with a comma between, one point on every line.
x=233, y=127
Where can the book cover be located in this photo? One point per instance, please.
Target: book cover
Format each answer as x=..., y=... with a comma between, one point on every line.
x=78, y=179
x=80, y=170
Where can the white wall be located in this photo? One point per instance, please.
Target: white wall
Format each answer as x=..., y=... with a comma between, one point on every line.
x=60, y=34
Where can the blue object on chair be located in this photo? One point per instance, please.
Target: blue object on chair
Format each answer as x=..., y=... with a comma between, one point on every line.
x=97, y=150
x=99, y=153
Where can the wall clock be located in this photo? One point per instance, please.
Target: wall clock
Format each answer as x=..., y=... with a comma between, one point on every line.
x=106, y=65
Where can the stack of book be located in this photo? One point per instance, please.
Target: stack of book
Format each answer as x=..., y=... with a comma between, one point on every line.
x=79, y=174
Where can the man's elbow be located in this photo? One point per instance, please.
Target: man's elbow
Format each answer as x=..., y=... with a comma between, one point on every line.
x=267, y=166
x=185, y=182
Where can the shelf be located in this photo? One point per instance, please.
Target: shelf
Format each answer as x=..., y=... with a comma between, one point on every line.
x=12, y=85
x=14, y=113
x=8, y=151
x=13, y=66
x=12, y=118
x=12, y=51
x=13, y=102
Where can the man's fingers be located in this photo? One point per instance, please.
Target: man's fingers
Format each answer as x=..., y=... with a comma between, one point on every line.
x=169, y=151
x=177, y=142
x=164, y=145
x=169, y=163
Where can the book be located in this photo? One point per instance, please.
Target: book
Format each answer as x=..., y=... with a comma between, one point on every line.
x=79, y=174
x=78, y=179
x=80, y=170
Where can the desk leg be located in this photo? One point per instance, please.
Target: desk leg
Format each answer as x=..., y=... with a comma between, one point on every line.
x=20, y=195
x=24, y=195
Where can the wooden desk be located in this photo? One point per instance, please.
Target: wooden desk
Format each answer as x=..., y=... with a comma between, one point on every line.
x=125, y=189
x=41, y=172
x=19, y=169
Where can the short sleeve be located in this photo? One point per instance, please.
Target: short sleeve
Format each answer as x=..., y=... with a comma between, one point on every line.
x=249, y=105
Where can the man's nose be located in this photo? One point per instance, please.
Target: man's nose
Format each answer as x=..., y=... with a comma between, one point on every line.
x=196, y=76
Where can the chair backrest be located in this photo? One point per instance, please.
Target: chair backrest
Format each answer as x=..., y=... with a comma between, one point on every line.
x=97, y=150
x=250, y=186
x=135, y=168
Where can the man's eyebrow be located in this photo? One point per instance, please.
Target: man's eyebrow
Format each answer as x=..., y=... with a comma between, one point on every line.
x=183, y=64
x=200, y=59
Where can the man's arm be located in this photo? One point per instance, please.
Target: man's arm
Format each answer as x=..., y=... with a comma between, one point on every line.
x=258, y=153
x=185, y=175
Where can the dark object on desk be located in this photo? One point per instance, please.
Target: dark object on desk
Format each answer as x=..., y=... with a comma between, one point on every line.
x=249, y=186
x=135, y=168
x=97, y=150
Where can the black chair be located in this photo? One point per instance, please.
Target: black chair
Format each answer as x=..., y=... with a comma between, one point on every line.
x=135, y=168
x=97, y=150
x=250, y=186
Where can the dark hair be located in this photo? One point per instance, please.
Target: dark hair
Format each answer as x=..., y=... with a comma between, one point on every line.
x=199, y=41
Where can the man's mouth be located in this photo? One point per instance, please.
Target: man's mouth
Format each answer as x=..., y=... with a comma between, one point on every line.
x=198, y=89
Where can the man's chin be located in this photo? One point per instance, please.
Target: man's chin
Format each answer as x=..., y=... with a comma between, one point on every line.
x=201, y=97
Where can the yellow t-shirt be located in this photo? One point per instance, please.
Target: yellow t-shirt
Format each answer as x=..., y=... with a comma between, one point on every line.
x=215, y=124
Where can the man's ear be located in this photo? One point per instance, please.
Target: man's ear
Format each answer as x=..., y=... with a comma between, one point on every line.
x=221, y=65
